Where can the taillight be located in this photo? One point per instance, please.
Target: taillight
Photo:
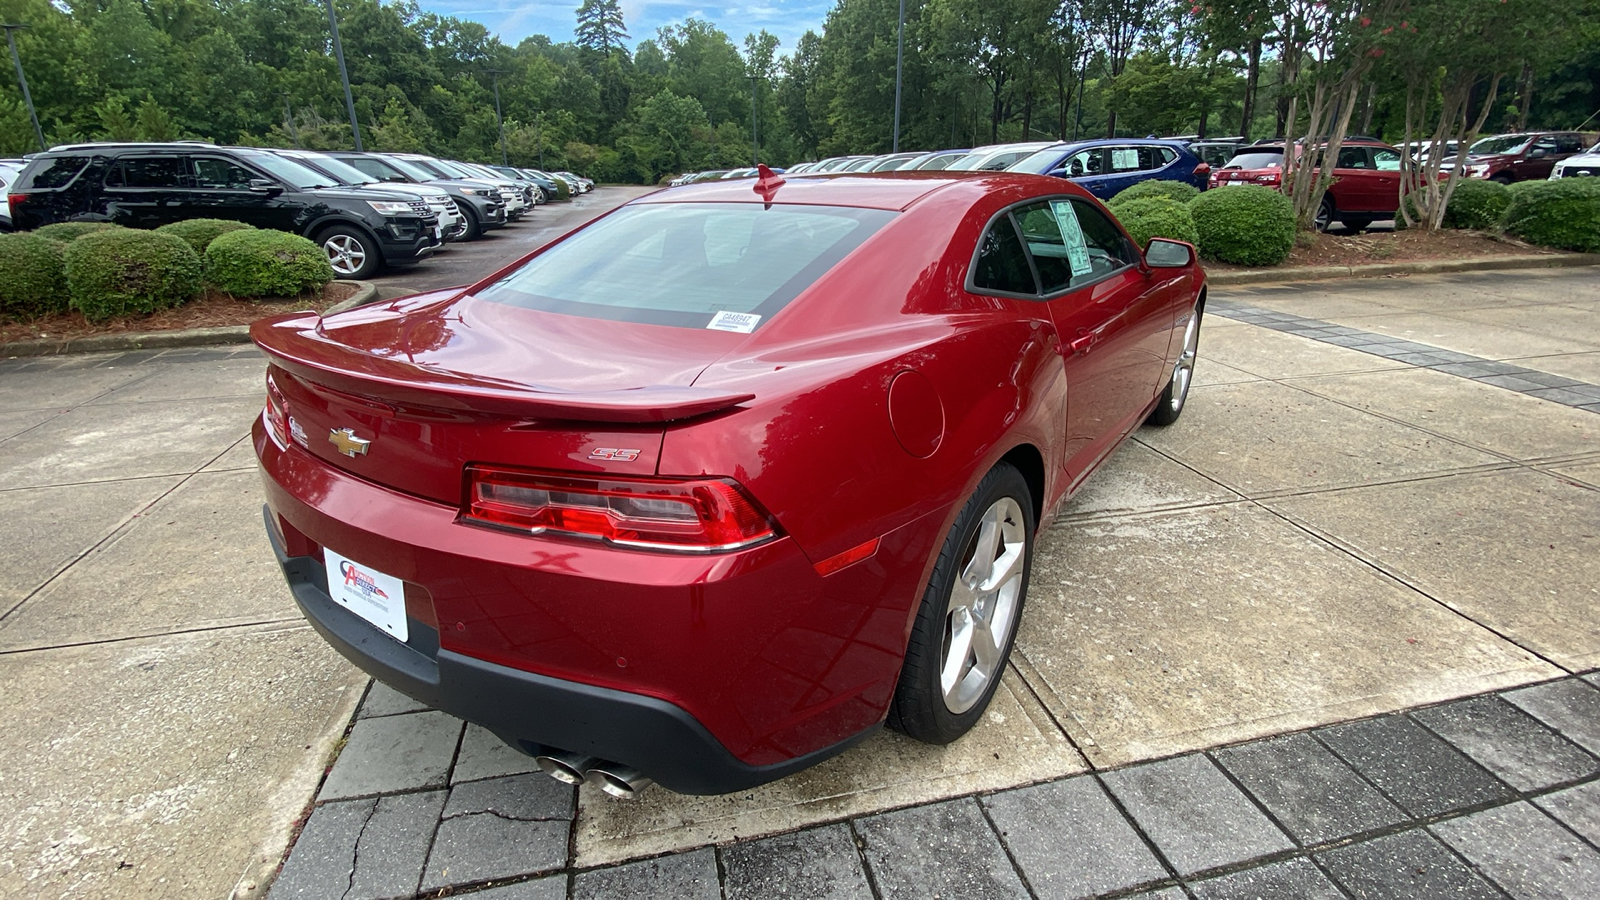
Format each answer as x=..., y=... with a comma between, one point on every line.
x=277, y=413
x=700, y=516
x=16, y=200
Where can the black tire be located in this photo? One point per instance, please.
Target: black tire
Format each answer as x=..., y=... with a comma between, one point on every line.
x=1356, y=226
x=1504, y=179
x=1325, y=214
x=921, y=708
x=1176, y=393
x=474, y=228
x=353, y=252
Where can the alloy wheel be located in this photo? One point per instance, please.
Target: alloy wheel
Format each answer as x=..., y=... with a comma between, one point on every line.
x=345, y=254
x=982, y=609
x=1184, y=370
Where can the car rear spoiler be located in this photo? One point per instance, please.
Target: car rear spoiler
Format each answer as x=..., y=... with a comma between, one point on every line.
x=296, y=343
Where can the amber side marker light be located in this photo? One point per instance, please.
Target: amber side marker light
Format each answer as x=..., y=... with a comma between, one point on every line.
x=689, y=516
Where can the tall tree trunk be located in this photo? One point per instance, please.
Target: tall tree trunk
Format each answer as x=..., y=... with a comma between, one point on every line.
x=1369, y=107
x=1252, y=79
x=1525, y=96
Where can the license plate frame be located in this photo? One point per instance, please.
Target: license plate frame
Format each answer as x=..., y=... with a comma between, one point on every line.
x=377, y=597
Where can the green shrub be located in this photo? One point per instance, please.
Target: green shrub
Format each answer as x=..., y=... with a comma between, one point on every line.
x=1179, y=191
x=264, y=263
x=201, y=232
x=1153, y=217
x=1247, y=226
x=127, y=271
x=31, y=279
x=1564, y=214
x=67, y=232
x=1476, y=203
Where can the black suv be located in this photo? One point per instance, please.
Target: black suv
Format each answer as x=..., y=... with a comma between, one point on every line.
x=148, y=185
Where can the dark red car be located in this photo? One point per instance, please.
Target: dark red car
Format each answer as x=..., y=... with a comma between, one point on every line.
x=709, y=489
x=1366, y=185
x=1509, y=158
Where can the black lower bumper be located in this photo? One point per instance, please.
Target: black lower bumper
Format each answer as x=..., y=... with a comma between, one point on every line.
x=536, y=713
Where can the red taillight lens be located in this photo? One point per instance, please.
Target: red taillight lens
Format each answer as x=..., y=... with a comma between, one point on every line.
x=16, y=200
x=277, y=413
x=691, y=516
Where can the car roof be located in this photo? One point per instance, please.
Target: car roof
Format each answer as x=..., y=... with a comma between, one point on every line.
x=864, y=190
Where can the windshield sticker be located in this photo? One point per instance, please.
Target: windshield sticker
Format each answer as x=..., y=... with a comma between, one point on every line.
x=1072, y=234
x=739, y=323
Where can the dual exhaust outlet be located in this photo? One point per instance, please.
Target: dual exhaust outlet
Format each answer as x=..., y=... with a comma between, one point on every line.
x=620, y=781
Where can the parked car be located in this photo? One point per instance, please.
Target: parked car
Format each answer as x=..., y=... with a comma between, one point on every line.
x=1108, y=166
x=1421, y=150
x=937, y=160
x=587, y=515
x=452, y=224
x=891, y=162
x=510, y=192
x=800, y=168
x=525, y=188
x=838, y=163
x=1584, y=165
x=149, y=185
x=9, y=170
x=480, y=202
x=516, y=189
x=1366, y=185
x=584, y=185
x=1509, y=158
x=1217, y=151
x=995, y=157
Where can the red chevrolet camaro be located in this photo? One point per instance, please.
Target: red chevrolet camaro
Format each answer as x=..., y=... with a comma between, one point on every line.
x=711, y=488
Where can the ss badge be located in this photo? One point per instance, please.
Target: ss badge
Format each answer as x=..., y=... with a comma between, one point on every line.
x=616, y=453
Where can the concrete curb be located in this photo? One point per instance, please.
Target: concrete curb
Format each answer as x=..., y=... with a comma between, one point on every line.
x=164, y=340
x=1426, y=267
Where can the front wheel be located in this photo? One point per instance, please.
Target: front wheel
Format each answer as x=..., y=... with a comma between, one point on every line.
x=1176, y=394
x=968, y=618
x=1324, y=214
x=352, y=252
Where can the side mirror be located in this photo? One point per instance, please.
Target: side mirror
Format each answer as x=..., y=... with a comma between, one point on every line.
x=264, y=186
x=1167, y=254
x=1537, y=152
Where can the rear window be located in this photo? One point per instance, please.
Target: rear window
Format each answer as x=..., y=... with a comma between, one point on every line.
x=694, y=265
x=1257, y=159
x=54, y=173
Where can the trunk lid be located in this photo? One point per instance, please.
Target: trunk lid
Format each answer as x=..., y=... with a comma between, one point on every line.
x=406, y=394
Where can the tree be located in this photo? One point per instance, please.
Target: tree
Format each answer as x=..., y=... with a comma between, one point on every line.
x=600, y=26
x=1119, y=25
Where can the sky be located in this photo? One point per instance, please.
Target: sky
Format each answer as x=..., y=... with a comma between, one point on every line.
x=514, y=20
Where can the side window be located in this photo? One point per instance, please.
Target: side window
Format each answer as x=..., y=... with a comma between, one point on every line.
x=1386, y=160
x=222, y=174
x=1151, y=158
x=1042, y=233
x=1548, y=145
x=1002, y=265
x=1569, y=143
x=1108, y=250
x=1084, y=162
x=1353, y=158
x=54, y=173
x=147, y=172
x=1124, y=159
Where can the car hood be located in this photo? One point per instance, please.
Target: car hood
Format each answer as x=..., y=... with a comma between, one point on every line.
x=362, y=193
x=416, y=190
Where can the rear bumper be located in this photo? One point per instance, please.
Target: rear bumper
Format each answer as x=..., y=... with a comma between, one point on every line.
x=535, y=713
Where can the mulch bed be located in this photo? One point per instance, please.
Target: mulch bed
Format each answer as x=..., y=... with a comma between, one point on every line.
x=1411, y=245
x=211, y=310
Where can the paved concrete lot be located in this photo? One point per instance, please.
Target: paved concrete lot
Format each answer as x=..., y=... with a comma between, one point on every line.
x=1342, y=526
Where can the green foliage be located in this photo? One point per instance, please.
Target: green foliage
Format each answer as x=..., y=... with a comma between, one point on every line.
x=1476, y=203
x=201, y=232
x=1247, y=226
x=1180, y=191
x=67, y=232
x=1151, y=217
x=265, y=263
x=31, y=281
x=1564, y=214
x=128, y=271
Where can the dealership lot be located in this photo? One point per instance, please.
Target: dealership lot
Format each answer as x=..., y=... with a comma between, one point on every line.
x=1343, y=525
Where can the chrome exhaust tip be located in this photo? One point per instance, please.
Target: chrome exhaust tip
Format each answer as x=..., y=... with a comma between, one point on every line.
x=566, y=767
x=622, y=782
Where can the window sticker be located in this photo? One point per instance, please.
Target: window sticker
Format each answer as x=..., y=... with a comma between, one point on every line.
x=1124, y=159
x=1072, y=234
x=739, y=323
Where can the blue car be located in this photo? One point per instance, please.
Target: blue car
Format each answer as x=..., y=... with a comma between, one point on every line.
x=1105, y=167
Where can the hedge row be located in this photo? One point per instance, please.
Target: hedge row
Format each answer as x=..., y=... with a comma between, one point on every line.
x=106, y=271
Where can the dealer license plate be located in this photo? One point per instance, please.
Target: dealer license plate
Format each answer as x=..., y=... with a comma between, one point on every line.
x=370, y=594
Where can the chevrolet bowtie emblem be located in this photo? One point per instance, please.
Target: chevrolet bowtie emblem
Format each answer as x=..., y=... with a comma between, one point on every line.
x=347, y=442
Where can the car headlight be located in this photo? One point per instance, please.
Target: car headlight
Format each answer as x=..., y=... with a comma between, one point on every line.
x=390, y=207
x=472, y=191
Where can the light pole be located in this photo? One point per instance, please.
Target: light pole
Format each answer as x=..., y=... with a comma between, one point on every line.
x=755, y=140
x=288, y=119
x=899, y=66
x=504, y=159
x=344, y=75
x=22, y=81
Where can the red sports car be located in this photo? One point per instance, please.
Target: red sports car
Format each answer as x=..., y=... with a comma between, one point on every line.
x=713, y=487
